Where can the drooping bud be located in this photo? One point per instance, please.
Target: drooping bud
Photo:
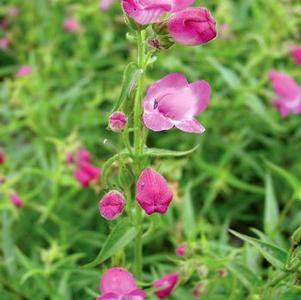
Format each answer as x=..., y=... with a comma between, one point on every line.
x=111, y=205
x=16, y=200
x=117, y=121
x=181, y=250
x=166, y=285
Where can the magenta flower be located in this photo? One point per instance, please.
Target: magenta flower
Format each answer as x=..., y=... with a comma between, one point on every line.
x=172, y=101
x=83, y=155
x=105, y=4
x=288, y=94
x=296, y=54
x=146, y=12
x=86, y=174
x=111, y=205
x=152, y=192
x=24, y=71
x=72, y=25
x=193, y=26
x=181, y=250
x=117, y=121
x=4, y=43
x=166, y=285
x=2, y=157
x=16, y=200
x=119, y=284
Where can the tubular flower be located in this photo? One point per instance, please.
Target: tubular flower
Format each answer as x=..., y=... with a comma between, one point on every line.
x=193, y=26
x=118, y=284
x=146, y=12
x=166, y=285
x=288, y=94
x=153, y=193
x=172, y=101
x=111, y=205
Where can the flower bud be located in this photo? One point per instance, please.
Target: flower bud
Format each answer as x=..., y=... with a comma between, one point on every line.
x=2, y=157
x=111, y=205
x=117, y=121
x=222, y=273
x=181, y=250
x=24, y=71
x=152, y=192
x=199, y=290
x=296, y=55
x=72, y=25
x=166, y=285
x=192, y=26
x=16, y=200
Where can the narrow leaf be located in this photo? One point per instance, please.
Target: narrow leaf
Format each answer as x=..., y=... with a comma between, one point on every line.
x=155, y=152
x=122, y=234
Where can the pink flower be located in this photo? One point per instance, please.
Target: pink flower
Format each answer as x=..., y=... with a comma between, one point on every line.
x=288, y=94
x=86, y=174
x=13, y=12
x=3, y=23
x=111, y=205
x=296, y=54
x=181, y=250
x=193, y=26
x=105, y=4
x=4, y=43
x=24, y=71
x=172, y=101
x=119, y=284
x=117, y=121
x=166, y=285
x=71, y=25
x=2, y=157
x=146, y=12
x=153, y=193
x=83, y=155
x=16, y=200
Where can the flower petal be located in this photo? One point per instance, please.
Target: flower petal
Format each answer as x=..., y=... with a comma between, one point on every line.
x=156, y=122
x=191, y=126
x=202, y=91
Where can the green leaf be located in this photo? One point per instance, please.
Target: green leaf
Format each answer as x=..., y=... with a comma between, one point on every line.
x=189, y=221
x=121, y=235
x=271, y=210
x=130, y=77
x=155, y=152
x=273, y=254
x=245, y=276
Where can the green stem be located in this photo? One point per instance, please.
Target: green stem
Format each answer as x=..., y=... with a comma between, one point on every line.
x=285, y=211
x=138, y=149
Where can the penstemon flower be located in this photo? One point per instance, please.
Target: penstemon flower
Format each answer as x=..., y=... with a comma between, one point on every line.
x=111, y=205
x=16, y=200
x=153, y=193
x=117, y=121
x=288, y=94
x=166, y=285
x=117, y=284
x=172, y=101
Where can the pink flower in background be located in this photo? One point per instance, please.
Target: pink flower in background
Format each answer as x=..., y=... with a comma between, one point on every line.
x=72, y=25
x=288, y=93
x=2, y=157
x=172, y=101
x=146, y=12
x=296, y=54
x=181, y=250
x=83, y=155
x=119, y=284
x=16, y=200
x=105, y=4
x=24, y=71
x=166, y=285
x=3, y=23
x=152, y=192
x=86, y=174
x=13, y=12
x=117, y=121
x=111, y=205
x=4, y=43
x=193, y=26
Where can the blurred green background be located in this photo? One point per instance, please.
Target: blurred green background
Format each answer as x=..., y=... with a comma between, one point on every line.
x=66, y=100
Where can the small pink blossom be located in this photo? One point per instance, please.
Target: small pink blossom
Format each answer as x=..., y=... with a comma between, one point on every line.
x=24, y=71
x=119, y=284
x=4, y=43
x=2, y=157
x=105, y=4
x=69, y=158
x=296, y=54
x=86, y=174
x=193, y=26
x=83, y=155
x=13, y=12
x=111, y=205
x=181, y=250
x=172, y=101
x=146, y=12
x=166, y=285
x=72, y=25
x=153, y=193
x=3, y=23
x=117, y=121
x=16, y=200
x=288, y=94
